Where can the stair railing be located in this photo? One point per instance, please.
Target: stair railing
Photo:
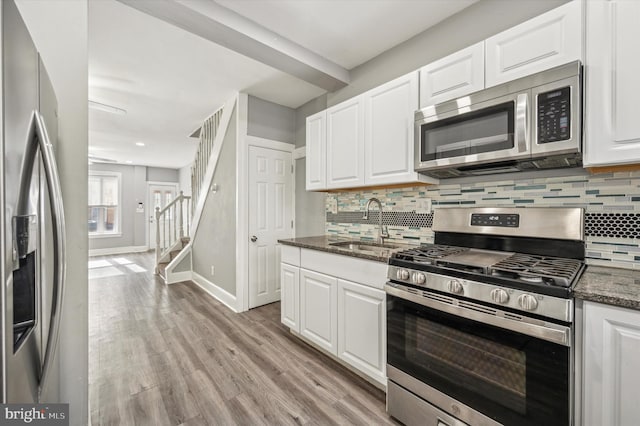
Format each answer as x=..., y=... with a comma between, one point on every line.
x=173, y=223
x=208, y=133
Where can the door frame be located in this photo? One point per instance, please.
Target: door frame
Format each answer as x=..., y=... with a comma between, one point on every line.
x=148, y=210
x=244, y=141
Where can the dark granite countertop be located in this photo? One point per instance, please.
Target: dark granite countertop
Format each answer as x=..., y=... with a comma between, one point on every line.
x=613, y=286
x=324, y=243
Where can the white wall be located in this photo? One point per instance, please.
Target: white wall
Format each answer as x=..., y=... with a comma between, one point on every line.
x=184, y=179
x=59, y=30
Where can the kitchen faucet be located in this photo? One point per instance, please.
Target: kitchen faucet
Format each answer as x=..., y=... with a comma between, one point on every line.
x=382, y=232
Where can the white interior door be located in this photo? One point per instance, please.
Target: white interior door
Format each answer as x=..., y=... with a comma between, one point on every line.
x=270, y=219
x=159, y=196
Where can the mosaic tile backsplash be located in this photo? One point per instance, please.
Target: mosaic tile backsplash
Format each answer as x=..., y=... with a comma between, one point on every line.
x=611, y=202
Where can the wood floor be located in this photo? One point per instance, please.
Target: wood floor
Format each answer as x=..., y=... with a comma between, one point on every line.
x=173, y=355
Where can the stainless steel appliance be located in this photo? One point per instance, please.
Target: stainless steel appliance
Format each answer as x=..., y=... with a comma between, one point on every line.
x=531, y=123
x=32, y=217
x=480, y=324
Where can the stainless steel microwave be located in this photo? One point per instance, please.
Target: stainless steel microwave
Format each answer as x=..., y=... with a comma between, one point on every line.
x=531, y=123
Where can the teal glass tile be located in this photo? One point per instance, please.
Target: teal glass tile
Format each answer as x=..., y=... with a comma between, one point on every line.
x=518, y=188
x=523, y=201
x=592, y=191
x=472, y=190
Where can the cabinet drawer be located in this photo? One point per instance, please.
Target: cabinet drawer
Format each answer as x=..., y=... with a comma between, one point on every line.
x=290, y=255
x=366, y=272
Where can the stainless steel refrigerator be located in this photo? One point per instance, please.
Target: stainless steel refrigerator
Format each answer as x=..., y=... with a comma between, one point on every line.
x=32, y=218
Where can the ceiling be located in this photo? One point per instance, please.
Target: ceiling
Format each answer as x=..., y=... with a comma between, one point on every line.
x=169, y=80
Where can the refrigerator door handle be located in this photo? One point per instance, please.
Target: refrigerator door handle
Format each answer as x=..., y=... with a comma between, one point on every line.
x=39, y=138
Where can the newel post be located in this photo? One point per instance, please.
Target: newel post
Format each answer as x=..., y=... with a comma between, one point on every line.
x=181, y=222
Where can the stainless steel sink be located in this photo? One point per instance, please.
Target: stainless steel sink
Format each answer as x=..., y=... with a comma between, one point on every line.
x=367, y=247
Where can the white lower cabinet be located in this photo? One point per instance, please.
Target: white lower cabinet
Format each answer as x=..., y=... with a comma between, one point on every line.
x=290, y=295
x=318, y=309
x=611, y=365
x=362, y=336
x=337, y=303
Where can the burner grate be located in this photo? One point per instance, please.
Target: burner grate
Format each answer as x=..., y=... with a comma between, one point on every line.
x=428, y=253
x=528, y=267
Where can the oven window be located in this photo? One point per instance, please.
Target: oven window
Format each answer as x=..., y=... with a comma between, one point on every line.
x=488, y=366
x=510, y=377
x=486, y=130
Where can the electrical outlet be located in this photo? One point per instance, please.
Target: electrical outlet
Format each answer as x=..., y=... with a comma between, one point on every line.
x=333, y=205
x=213, y=270
x=423, y=205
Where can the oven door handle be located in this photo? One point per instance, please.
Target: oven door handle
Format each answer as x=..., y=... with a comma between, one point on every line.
x=540, y=329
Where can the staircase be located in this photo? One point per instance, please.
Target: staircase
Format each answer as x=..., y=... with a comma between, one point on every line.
x=171, y=238
x=177, y=222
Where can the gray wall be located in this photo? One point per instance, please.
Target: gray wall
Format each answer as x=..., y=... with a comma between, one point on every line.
x=133, y=225
x=160, y=174
x=473, y=24
x=215, y=240
x=59, y=30
x=270, y=121
x=310, y=206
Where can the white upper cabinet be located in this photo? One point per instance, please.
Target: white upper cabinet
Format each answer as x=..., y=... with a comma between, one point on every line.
x=612, y=127
x=345, y=144
x=611, y=365
x=316, y=160
x=454, y=76
x=551, y=39
x=388, y=132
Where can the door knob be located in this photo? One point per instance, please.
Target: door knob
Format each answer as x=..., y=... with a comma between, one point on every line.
x=254, y=239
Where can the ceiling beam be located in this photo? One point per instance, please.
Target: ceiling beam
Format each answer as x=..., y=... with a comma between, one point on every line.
x=227, y=28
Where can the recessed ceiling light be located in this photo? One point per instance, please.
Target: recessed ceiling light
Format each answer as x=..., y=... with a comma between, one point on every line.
x=129, y=162
x=106, y=108
x=140, y=143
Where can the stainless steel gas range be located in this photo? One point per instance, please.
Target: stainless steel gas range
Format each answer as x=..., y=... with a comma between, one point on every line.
x=480, y=324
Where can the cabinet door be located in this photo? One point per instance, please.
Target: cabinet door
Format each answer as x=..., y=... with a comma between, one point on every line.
x=551, y=39
x=388, y=118
x=612, y=128
x=290, y=293
x=316, y=160
x=318, y=310
x=362, y=328
x=454, y=76
x=611, y=365
x=345, y=144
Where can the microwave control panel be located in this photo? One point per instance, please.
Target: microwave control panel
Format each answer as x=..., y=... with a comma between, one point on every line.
x=554, y=115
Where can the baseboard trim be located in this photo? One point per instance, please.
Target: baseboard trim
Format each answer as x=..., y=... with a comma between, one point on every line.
x=178, y=277
x=117, y=250
x=220, y=294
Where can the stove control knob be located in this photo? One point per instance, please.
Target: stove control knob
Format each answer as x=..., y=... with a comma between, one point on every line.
x=402, y=274
x=528, y=302
x=454, y=286
x=498, y=295
x=419, y=278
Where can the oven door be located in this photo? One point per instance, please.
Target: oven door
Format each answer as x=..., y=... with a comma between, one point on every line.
x=475, y=133
x=459, y=357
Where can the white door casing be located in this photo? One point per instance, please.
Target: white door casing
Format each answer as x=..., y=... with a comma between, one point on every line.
x=158, y=195
x=270, y=219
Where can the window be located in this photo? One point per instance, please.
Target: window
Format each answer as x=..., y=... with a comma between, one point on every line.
x=104, y=204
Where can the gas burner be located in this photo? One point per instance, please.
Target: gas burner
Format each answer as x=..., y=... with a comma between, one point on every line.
x=427, y=254
x=530, y=278
x=538, y=269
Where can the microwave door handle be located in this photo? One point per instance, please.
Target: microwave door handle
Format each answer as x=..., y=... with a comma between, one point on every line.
x=522, y=122
x=57, y=216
